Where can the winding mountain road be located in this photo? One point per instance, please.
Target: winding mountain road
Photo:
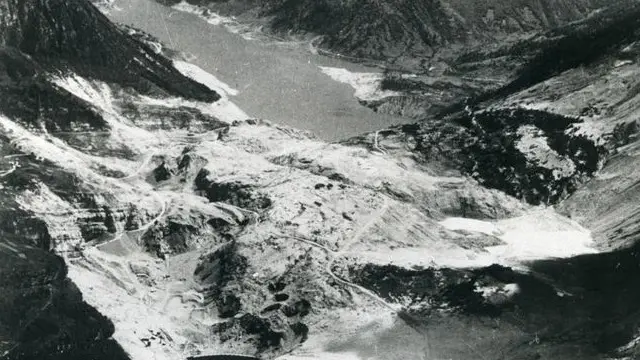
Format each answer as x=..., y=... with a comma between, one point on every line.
x=329, y=270
x=335, y=255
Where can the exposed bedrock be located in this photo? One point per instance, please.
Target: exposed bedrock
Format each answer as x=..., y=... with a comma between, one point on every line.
x=234, y=193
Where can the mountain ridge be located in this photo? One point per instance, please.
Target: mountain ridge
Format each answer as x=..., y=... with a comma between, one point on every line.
x=392, y=31
x=199, y=231
x=85, y=41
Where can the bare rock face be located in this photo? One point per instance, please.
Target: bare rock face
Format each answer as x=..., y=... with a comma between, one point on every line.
x=162, y=172
x=234, y=193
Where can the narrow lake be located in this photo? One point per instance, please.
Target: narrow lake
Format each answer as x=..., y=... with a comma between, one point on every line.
x=281, y=82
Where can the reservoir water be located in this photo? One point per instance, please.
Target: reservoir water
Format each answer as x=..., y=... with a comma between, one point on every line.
x=281, y=82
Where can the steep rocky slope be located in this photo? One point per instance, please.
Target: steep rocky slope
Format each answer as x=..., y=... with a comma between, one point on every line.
x=570, y=110
x=597, y=85
x=484, y=59
x=390, y=30
x=62, y=34
x=43, y=314
x=198, y=231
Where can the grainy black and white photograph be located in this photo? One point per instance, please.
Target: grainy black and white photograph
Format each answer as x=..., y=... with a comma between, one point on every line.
x=319, y=179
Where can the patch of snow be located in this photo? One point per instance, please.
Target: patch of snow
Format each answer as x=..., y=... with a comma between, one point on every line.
x=212, y=17
x=533, y=144
x=511, y=289
x=105, y=6
x=132, y=315
x=215, y=19
x=198, y=74
x=426, y=257
x=59, y=216
x=30, y=143
x=155, y=46
x=607, y=176
x=100, y=95
x=507, y=290
x=366, y=85
x=592, y=130
x=60, y=153
x=630, y=345
x=540, y=234
x=539, y=105
x=620, y=63
x=223, y=109
x=473, y=225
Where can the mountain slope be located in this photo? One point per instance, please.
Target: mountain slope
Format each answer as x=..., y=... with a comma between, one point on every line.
x=198, y=231
x=73, y=34
x=388, y=30
x=43, y=314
